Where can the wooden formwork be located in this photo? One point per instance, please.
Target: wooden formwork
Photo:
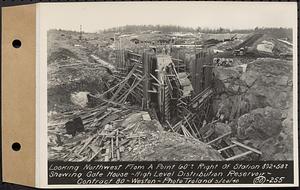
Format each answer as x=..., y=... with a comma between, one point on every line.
x=201, y=71
x=143, y=66
x=180, y=66
x=153, y=91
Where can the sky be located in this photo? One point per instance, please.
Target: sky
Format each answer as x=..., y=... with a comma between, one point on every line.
x=95, y=16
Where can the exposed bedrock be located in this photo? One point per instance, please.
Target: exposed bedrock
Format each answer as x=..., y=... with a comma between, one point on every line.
x=257, y=102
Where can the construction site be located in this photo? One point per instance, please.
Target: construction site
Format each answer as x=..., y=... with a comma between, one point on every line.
x=156, y=96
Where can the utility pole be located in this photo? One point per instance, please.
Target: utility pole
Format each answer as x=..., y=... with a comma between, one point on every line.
x=80, y=35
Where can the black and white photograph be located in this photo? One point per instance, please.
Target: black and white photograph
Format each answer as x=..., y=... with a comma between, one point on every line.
x=170, y=82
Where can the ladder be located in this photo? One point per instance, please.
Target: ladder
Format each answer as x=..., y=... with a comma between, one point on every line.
x=249, y=150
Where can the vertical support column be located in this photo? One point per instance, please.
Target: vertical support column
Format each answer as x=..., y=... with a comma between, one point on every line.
x=203, y=74
x=207, y=76
x=146, y=59
x=125, y=59
x=207, y=70
x=162, y=101
x=198, y=73
x=193, y=71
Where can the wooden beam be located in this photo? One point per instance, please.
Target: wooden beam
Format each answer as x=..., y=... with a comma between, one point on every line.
x=135, y=60
x=179, y=60
x=246, y=147
x=123, y=83
x=136, y=76
x=134, y=93
x=177, y=125
x=117, y=145
x=183, y=130
x=112, y=102
x=131, y=89
x=218, y=138
x=155, y=79
x=196, y=128
x=169, y=84
x=103, y=137
x=134, y=54
x=176, y=74
x=239, y=155
x=146, y=63
x=227, y=147
x=170, y=75
x=120, y=99
x=152, y=91
x=112, y=148
x=170, y=125
x=193, y=132
x=182, y=102
x=96, y=120
x=109, y=90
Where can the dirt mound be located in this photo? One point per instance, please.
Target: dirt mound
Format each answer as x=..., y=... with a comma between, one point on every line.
x=164, y=146
x=263, y=45
x=62, y=82
x=249, y=41
x=61, y=54
x=69, y=70
x=161, y=145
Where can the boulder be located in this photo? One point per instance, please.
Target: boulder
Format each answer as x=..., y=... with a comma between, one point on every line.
x=80, y=98
x=260, y=124
x=222, y=128
x=226, y=73
x=74, y=126
x=265, y=46
x=270, y=130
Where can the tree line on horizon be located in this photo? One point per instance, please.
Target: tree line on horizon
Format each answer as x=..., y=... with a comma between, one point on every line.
x=175, y=28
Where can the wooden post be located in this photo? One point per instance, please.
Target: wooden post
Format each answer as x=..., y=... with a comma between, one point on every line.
x=112, y=148
x=218, y=138
x=198, y=73
x=146, y=64
x=123, y=83
x=117, y=145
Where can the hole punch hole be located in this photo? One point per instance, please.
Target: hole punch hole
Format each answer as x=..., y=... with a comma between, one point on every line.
x=16, y=146
x=16, y=43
